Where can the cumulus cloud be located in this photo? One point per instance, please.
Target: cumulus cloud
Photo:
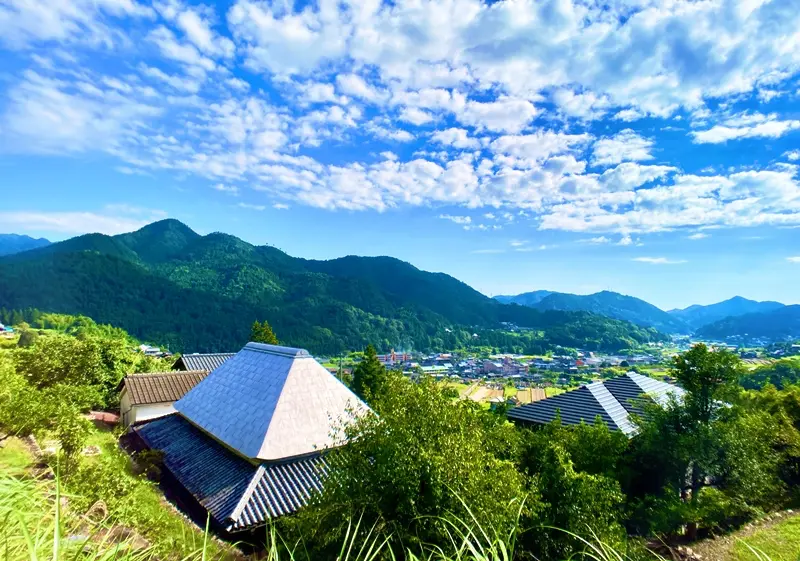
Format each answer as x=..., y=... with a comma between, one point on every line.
x=626, y=145
x=498, y=104
x=746, y=126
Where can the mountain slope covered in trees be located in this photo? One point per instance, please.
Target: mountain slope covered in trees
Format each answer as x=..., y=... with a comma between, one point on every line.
x=698, y=316
x=780, y=324
x=16, y=243
x=606, y=303
x=167, y=284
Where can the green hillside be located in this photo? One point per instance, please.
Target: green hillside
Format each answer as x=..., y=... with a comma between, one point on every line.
x=167, y=284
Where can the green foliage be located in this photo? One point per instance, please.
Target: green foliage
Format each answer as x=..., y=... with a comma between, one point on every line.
x=166, y=284
x=261, y=332
x=574, y=467
x=425, y=457
x=780, y=374
x=369, y=375
x=27, y=338
x=96, y=363
x=709, y=377
x=573, y=501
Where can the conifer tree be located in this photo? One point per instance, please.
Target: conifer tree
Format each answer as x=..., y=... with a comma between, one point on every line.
x=261, y=332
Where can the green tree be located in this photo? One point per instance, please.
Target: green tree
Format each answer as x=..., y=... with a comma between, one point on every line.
x=425, y=457
x=369, y=375
x=27, y=338
x=261, y=332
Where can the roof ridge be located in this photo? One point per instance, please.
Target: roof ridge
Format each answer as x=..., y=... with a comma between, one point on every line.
x=164, y=373
x=615, y=409
x=248, y=492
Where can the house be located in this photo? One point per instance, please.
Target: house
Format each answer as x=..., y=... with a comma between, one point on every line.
x=202, y=361
x=149, y=396
x=247, y=444
x=612, y=400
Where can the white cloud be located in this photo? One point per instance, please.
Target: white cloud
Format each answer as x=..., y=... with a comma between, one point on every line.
x=793, y=259
x=457, y=138
x=250, y=206
x=463, y=220
x=198, y=31
x=415, y=116
x=598, y=240
x=504, y=115
x=698, y=236
x=110, y=223
x=222, y=188
x=746, y=126
x=355, y=86
x=792, y=155
x=626, y=145
x=280, y=206
x=659, y=260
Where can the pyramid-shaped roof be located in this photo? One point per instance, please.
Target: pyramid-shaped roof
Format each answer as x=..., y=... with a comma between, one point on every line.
x=612, y=400
x=270, y=403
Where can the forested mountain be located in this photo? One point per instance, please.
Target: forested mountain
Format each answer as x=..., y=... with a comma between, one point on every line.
x=15, y=243
x=606, y=303
x=167, y=284
x=698, y=316
x=779, y=324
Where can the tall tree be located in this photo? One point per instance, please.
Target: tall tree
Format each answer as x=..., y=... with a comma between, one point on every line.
x=369, y=375
x=261, y=332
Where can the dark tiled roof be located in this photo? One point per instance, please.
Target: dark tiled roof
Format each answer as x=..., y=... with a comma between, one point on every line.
x=237, y=493
x=612, y=400
x=161, y=387
x=197, y=361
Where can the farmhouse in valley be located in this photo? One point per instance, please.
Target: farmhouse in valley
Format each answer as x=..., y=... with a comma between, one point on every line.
x=612, y=400
x=247, y=442
x=149, y=396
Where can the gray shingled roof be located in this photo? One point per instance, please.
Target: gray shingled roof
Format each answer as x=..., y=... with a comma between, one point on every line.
x=198, y=361
x=237, y=493
x=161, y=387
x=612, y=400
x=270, y=403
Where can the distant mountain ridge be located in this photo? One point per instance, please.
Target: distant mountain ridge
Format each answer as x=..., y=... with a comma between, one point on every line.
x=640, y=312
x=778, y=324
x=605, y=303
x=17, y=243
x=166, y=283
x=697, y=316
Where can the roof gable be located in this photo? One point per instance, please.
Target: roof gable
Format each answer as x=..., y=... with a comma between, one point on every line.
x=270, y=402
x=202, y=361
x=161, y=387
x=612, y=400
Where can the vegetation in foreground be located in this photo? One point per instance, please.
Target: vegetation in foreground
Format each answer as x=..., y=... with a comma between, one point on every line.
x=428, y=463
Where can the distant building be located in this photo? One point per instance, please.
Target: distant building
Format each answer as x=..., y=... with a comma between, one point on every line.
x=247, y=443
x=202, y=361
x=145, y=397
x=612, y=401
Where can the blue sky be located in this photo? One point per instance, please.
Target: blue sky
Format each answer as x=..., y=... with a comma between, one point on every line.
x=647, y=147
